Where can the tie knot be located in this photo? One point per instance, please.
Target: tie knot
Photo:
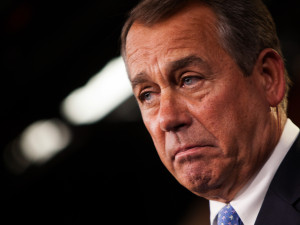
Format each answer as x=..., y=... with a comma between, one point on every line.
x=228, y=216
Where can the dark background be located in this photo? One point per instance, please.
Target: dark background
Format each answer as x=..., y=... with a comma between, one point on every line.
x=110, y=173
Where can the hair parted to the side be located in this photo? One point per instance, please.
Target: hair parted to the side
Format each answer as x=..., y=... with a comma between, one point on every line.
x=245, y=28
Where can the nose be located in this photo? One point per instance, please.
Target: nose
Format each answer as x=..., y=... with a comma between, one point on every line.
x=173, y=113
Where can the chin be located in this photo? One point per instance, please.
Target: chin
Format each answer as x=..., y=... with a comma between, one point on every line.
x=200, y=183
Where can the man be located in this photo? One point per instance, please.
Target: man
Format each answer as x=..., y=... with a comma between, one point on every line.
x=211, y=85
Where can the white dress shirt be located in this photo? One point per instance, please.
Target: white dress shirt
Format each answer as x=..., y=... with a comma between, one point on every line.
x=248, y=201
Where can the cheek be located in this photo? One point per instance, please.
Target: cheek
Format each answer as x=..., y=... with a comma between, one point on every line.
x=230, y=114
x=158, y=137
x=159, y=141
x=222, y=114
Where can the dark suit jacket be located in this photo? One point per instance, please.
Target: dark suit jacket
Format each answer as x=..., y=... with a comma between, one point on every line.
x=281, y=205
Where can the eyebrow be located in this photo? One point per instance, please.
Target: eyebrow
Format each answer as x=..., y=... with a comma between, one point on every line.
x=139, y=79
x=185, y=62
x=171, y=68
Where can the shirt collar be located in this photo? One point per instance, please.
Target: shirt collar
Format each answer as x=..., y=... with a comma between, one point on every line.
x=248, y=201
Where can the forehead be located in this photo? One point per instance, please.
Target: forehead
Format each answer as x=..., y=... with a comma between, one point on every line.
x=194, y=24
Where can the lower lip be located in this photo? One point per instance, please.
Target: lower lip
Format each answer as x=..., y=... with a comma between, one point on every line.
x=196, y=151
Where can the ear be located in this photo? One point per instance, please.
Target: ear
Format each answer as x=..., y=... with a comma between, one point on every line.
x=270, y=67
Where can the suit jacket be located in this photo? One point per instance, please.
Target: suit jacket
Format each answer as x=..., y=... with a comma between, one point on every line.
x=281, y=205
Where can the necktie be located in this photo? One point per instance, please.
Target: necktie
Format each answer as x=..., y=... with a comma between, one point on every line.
x=228, y=216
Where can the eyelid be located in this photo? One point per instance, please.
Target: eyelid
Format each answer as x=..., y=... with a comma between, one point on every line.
x=139, y=88
x=143, y=90
x=141, y=95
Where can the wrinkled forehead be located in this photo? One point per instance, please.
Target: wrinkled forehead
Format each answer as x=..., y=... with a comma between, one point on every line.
x=195, y=25
x=193, y=18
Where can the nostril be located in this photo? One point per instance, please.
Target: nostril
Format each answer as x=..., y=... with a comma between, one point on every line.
x=178, y=127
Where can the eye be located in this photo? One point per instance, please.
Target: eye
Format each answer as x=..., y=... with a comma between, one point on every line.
x=190, y=80
x=145, y=96
x=187, y=81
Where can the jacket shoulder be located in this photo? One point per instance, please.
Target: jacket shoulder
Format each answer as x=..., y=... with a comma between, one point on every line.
x=282, y=202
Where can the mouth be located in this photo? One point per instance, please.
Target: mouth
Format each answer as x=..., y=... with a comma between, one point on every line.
x=192, y=150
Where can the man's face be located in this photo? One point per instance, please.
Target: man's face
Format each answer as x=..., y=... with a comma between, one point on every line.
x=206, y=119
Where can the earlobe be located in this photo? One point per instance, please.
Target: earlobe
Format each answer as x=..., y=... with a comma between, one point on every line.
x=272, y=72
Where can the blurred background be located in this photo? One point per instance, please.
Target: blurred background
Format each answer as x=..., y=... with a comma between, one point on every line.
x=73, y=147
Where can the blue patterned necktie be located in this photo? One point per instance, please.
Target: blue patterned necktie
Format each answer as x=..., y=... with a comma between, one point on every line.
x=228, y=216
